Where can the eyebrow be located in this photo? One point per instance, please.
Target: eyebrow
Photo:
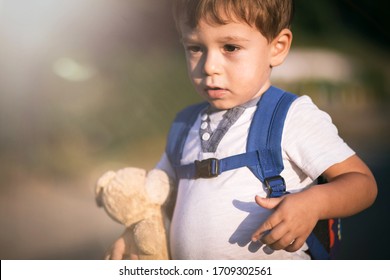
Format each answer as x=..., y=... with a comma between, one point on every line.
x=225, y=39
x=233, y=38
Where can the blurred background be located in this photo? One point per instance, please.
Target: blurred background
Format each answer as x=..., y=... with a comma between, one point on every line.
x=92, y=85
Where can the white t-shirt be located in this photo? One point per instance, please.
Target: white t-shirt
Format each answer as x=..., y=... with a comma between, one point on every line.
x=215, y=218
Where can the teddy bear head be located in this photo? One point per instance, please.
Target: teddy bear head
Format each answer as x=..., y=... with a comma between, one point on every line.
x=131, y=194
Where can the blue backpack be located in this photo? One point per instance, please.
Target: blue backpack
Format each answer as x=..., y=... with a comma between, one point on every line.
x=263, y=157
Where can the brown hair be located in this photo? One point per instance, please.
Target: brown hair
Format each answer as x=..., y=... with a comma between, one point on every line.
x=268, y=16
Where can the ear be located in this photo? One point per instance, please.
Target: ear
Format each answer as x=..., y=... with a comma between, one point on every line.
x=157, y=186
x=103, y=181
x=280, y=47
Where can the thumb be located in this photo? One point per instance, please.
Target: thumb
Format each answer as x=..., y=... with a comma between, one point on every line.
x=268, y=203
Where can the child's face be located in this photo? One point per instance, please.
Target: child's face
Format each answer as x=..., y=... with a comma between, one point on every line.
x=228, y=64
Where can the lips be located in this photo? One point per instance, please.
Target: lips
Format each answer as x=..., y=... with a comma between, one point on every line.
x=215, y=92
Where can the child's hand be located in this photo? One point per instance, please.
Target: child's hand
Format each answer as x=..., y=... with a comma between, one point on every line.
x=290, y=224
x=351, y=189
x=123, y=248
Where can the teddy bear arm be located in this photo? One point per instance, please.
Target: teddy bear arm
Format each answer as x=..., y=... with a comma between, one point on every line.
x=147, y=236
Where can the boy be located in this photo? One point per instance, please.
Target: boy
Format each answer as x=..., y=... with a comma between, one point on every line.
x=231, y=48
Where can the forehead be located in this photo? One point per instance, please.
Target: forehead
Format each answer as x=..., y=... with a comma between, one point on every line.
x=213, y=31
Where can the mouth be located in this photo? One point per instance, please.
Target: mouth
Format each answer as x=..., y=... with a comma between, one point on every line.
x=215, y=92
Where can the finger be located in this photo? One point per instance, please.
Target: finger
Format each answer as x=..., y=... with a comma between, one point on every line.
x=133, y=249
x=134, y=256
x=263, y=230
x=117, y=254
x=281, y=243
x=279, y=237
x=268, y=203
x=271, y=222
x=295, y=245
x=117, y=250
x=271, y=237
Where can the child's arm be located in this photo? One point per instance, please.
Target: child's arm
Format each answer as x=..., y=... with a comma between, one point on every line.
x=351, y=188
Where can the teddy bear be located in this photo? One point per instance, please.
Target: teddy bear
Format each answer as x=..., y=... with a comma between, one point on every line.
x=136, y=199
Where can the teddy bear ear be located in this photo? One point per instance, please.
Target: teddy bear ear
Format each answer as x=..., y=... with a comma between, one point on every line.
x=101, y=183
x=158, y=186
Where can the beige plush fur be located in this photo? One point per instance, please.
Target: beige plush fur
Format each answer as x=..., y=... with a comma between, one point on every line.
x=134, y=198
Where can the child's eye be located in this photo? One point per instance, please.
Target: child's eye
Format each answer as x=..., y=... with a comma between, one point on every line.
x=194, y=49
x=230, y=48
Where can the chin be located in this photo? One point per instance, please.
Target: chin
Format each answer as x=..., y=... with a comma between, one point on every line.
x=220, y=103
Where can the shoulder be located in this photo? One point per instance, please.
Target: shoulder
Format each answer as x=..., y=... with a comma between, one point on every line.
x=303, y=112
x=310, y=139
x=303, y=104
x=306, y=121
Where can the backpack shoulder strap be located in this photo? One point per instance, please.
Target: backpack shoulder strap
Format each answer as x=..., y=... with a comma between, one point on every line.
x=269, y=118
x=179, y=130
x=265, y=137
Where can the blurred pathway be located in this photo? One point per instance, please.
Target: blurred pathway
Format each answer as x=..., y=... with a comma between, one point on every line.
x=43, y=220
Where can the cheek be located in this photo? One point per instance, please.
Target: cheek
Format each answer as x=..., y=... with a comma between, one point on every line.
x=194, y=72
x=192, y=75
x=190, y=69
x=252, y=70
x=247, y=78
x=241, y=74
x=191, y=65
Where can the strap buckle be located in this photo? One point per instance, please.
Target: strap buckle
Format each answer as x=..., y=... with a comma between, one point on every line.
x=208, y=168
x=275, y=188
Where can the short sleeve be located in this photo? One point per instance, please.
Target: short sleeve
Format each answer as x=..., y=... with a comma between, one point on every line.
x=165, y=165
x=311, y=140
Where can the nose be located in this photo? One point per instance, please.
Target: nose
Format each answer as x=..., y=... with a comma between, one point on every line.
x=211, y=64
